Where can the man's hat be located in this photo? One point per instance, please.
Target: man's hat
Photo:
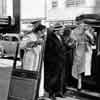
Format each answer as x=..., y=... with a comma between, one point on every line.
x=79, y=18
x=58, y=26
x=35, y=21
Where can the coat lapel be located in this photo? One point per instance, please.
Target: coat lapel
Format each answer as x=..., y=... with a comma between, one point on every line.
x=58, y=41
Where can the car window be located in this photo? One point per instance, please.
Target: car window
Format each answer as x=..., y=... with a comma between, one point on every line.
x=14, y=39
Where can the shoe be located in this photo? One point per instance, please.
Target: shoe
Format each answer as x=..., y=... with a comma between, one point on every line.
x=52, y=97
x=59, y=94
x=64, y=90
x=79, y=89
x=42, y=98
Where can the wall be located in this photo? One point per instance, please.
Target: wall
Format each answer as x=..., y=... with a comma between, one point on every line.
x=2, y=8
x=97, y=7
x=67, y=12
x=9, y=8
x=32, y=9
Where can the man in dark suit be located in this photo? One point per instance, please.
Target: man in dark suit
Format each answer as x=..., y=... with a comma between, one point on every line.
x=54, y=63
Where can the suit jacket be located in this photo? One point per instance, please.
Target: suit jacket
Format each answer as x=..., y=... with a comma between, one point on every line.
x=55, y=50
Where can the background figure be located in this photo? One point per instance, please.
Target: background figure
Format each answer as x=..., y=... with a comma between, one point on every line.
x=30, y=59
x=79, y=34
x=79, y=54
x=54, y=63
x=32, y=44
x=28, y=36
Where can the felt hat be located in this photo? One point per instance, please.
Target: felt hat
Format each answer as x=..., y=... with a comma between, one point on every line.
x=58, y=26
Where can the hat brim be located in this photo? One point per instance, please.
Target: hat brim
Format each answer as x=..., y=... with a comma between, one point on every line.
x=34, y=22
x=58, y=28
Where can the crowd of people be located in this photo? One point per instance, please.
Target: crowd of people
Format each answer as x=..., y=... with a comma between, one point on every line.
x=67, y=53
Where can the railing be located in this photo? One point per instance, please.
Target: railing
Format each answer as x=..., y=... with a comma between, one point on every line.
x=4, y=21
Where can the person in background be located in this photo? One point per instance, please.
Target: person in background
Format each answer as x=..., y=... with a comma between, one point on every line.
x=41, y=29
x=82, y=42
x=27, y=30
x=54, y=63
x=32, y=44
x=35, y=24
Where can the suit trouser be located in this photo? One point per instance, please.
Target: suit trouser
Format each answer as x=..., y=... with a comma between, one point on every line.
x=55, y=83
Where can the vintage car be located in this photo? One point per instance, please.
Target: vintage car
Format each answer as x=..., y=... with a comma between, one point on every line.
x=8, y=44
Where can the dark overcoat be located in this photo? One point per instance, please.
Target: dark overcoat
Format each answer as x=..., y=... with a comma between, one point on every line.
x=54, y=64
